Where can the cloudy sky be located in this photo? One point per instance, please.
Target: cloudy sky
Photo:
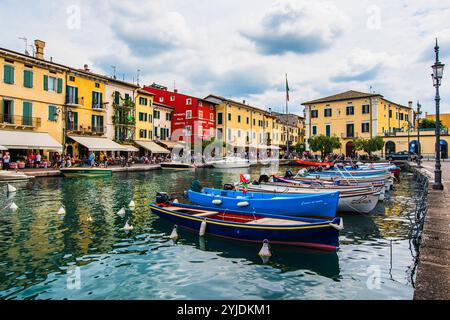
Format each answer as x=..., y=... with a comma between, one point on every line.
x=242, y=49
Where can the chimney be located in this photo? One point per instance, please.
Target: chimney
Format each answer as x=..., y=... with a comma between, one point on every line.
x=410, y=104
x=40, y=45
x=176, y=90
x=243, y=101
x=86, y=68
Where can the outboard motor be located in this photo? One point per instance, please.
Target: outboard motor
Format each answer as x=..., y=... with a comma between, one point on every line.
x=263, y=178
x=228, y=186
x=196, y=186
x=162, y=198
x=288, y=174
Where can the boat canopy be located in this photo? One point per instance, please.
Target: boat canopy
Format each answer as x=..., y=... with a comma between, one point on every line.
x=151, y=146
x=28, y=140
x=101, y=144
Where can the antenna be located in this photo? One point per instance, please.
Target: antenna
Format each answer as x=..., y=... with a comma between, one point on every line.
x=26, y=44
x=114, y=71
x=137, y=77
x=174, y=85
x=33, y=50
x=123, y=76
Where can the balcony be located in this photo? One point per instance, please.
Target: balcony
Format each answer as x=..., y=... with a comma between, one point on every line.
x=19, y=121
x=87, y=130
x=349, y=135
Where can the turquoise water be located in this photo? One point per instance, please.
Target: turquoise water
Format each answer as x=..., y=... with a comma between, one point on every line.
x=47, y=256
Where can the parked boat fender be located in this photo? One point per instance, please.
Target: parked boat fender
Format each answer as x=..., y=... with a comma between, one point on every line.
x=202, y=228
x=217, y=201
x=265, y=250
x=243, y=204
x=61, y=211
x=339, y=226
x=174, y=235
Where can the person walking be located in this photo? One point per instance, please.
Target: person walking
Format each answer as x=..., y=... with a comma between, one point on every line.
x=6, y=160
x=91, y=159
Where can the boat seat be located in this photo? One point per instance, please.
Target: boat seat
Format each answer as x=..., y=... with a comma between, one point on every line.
x=206, y=214
x=274, y=221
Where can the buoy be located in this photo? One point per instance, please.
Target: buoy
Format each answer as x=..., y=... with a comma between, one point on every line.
x=10, y=188
x=202, y=228
x=61, y=211
x=174, y=235
x=132, y=204
x=13, y=207
x=217, y=201
x=121, y=212
x=127, y=226
x=242, y=204
x=265, y=250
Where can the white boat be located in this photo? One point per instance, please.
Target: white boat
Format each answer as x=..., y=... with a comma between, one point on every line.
x=231, y=162
x=356, y=201
x=175, y=165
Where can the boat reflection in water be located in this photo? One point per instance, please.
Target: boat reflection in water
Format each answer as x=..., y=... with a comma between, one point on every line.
x=284, y=258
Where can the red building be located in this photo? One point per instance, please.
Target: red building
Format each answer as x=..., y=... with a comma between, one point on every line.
x=193, y=115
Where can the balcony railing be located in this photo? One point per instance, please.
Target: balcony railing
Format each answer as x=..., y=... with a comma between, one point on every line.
x=96, y=130
x=12, y=120
x=348, y=135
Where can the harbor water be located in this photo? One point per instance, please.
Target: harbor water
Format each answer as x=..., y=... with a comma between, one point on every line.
x=86, y=254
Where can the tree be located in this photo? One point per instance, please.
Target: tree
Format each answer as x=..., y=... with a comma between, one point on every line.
x=430, y=124
x=369, y=145
x=324, y=144
x=300, y=147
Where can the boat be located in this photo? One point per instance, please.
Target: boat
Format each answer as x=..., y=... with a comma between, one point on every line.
x=254, y=227
x=321, y=205
x=310, y=163
x=174, y=165
x=231, y=162
x=351, y=201
x=85, y=172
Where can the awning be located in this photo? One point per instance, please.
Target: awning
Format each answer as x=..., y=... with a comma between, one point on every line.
x=262, y=146
x=172, y=144
x=3, y=148
x=101, y=144
x=28, y=140
x=151, y=146
x=130, y=148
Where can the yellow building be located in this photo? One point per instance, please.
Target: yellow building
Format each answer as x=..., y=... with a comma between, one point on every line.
x=292, y=129
x=354, y=114
x=443, y=117
x=242, y=125
x=144, y=115
x=32, y=92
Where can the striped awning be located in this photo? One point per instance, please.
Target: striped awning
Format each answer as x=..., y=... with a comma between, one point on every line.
x=101, y=144
x=152, y=147
x=28, y=140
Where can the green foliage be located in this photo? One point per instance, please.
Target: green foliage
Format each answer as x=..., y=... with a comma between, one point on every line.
x=300, y=147
x=324, y=144
x=369, y=145
x=430, y=124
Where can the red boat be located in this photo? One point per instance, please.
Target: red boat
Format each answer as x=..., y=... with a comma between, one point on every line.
x=313, y=163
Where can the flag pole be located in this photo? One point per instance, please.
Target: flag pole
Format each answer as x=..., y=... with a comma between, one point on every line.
x=287, y=127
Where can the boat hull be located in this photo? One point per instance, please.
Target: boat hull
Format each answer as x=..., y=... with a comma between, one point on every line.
x=321, y=235
x=176, y=166
x=313, y=163
x=228, y=165
x=85, y=172
x=313, y=205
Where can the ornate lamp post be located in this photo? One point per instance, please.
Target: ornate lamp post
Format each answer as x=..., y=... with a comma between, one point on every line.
x=438, y=69
x=419, y=151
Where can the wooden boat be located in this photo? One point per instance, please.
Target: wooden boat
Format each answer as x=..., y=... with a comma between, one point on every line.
x=254, y=227
x=349, y=201
x=321, y=205
x=177, y=165
x=310, y=163
x=85, y=172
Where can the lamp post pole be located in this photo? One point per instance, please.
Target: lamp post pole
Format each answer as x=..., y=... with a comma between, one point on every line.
x=419, y=151
x=438, y=69
x=409, y=128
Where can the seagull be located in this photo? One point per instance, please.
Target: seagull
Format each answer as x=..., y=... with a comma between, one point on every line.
x=174, y=235
x=13, y=207
x=127, y=226
x=132, y=204
x=61, y=211
x=121, y=212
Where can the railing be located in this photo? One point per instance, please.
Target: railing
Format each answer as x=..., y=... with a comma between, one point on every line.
x=348, y=135
x=97, y=130
x=8, y=119
x=71, y=127
x=413, y=132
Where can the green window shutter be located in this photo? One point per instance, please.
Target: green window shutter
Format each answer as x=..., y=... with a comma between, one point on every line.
x=8, y=74
x=127, y=96
x=60, y=85
x=76, y=97
x=93, y=100
x=117, y=97
x=52, y=113
x=45, y=83
x=28, y=79
x=101, y=121
x=27, y=113
x=101, y=100
x=75, y=120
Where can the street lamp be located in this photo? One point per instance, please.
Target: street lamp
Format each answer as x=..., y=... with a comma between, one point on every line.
x=419, y=151
x=438, y=69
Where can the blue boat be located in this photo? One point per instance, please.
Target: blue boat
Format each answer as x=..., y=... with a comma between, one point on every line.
x=254, y=227
x=321, y=205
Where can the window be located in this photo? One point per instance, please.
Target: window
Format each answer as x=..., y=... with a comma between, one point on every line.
x=229, y=117
x=161, y=99
x=350, y=110
x=143, y=133
x=200, y=114
x=350, y=130
x=97, y=124
x=97, y=85
x=248, y=120
x=117, y=97
x=143, y=116
x=401, y=116
x=188, y=129
x=72, y=78
x=365, y=109
x=52, y=113
x=229, y=134
x=150, y=134
x=406, y=117
x=211, y=116
x=8, y=74
x=314, y=113
x=188, y=114
x=168, y=116
x=97, y=100
x=365, y=127
x=200, y=104
x=239, y=133
x=239, y=119
x=72, y=95
x=172, y=98
x=328, y=112
x=156, y=115
x=52, y=84
x=150, y=118
x=27, y=112
x=28, y=78
x=328, y=130
x=219, y=118
x=143, y=101
x=254, y=122
x=188, y=101
x=314, y=130
x=200, y=130
x=390, y=113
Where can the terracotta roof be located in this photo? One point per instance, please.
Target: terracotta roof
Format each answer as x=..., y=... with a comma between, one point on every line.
x=348, y=95
x=162, y=105
x=213, y=96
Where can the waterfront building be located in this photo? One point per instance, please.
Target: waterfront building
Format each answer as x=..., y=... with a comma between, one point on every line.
x=444, y=117
x=32, y=93
x=144, y=115
x=354, y=114
x=241, y=125
x=194, y=115
x=162, y=118
x=294, y=125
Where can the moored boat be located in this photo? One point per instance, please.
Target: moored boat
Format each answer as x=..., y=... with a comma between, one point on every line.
x=231, y=162
x=321, y=205
x=177, y=165
x=85, y=172
x=254, y=227
x=310, y=163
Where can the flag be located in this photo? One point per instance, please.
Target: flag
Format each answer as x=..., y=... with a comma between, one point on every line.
x=242, y=178
x=287, y=89
x=244, y=182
